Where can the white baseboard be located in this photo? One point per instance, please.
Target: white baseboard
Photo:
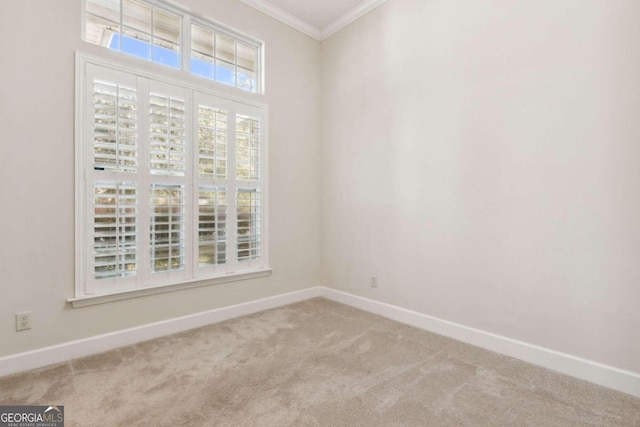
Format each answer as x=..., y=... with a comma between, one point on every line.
x=100, y=343
x=607, y=376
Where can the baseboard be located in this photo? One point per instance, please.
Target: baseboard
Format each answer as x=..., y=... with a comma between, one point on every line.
x=100, y=343
x=607, y=376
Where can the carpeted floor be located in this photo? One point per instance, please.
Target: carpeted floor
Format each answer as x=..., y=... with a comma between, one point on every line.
x=314, y=363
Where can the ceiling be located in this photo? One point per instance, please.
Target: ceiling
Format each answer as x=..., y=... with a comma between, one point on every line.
x=318, y=19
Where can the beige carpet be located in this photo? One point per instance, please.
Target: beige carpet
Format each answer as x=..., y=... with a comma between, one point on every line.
x=314, y=363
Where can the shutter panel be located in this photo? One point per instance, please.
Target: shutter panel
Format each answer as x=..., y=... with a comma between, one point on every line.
x=115, y=129
x=114, y=230
x=212, y=230
x=167, y=135
x=167, y=238
x=248, y=224
x=212, y=142
x=247, y=148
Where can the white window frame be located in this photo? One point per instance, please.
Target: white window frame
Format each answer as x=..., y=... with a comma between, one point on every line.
x=187, y=18
x=86, y=291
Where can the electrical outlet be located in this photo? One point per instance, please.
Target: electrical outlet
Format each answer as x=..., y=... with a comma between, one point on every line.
x=374, y=281
x=23, y=321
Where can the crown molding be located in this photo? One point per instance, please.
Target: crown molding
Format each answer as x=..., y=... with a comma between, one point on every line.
x=285, y=17
x=346, y=19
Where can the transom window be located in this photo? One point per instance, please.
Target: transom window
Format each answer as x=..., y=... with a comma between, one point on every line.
x=155, y=31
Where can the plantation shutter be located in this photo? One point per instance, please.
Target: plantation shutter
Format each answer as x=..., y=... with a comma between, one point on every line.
x=111, y=174
x=214, y=205
x=172, y=184
x=212, y=226
x=115, y=230
x=247, y=148
x=168, y=224
x=212, y=142
x=248, y=224
x=115, y=127
x=248, y=196
x=167, y=135
x=168, y=173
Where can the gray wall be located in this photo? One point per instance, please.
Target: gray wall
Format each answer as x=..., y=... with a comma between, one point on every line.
x=481, y=158
x=38, y=39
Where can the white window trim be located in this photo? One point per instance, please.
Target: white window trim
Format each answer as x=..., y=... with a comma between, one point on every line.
x=82, y=298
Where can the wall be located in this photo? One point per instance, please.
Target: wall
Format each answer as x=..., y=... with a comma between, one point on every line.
x=38, y=39
x=481, y=158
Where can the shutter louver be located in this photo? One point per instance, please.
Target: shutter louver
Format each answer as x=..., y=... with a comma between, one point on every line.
x=114, y=231
x=167, y=135
x=212, y=230
x=248, y=226
x=115, y=128
x=212, y=142
x=167, y=239
x=247, y=148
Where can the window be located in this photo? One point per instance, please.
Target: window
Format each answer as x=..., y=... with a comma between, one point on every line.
x=155, y=31
x=223, y=59
x=171, y=182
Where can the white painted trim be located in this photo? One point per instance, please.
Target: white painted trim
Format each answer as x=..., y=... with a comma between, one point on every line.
x=285, y=17
x=598, y=373
x=588, y=370
x=101, y=343
x=349, y=17
x=88, y=300
x=303, y=26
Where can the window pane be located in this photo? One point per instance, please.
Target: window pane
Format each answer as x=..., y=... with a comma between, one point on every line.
x=136, y=15
x=212, y=230
x=166, y=39
x=235, y=62
x=136, y=44
x=225, y=73
x=202, y=56
x=167, y=148
x=201, y=67
x=108, y=9
x=102, y=32
x=246, y=80
x=247, y=148
x=202, y=40
x=225, y=49
x=115, y=127
x=212, y=142
x=246, y=57
x=165, y=53
x=167, y=237
x=114, y=230
x=248, y=226
x=166, y=26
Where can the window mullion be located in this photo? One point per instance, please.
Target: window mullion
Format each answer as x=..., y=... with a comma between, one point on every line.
x=232, y=190
x=196, y=182
x=185, y=43
x=144, y=182
x=89, y=284
x=191, y=226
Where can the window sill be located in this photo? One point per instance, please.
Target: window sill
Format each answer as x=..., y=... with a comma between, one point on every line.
x=88, y=300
